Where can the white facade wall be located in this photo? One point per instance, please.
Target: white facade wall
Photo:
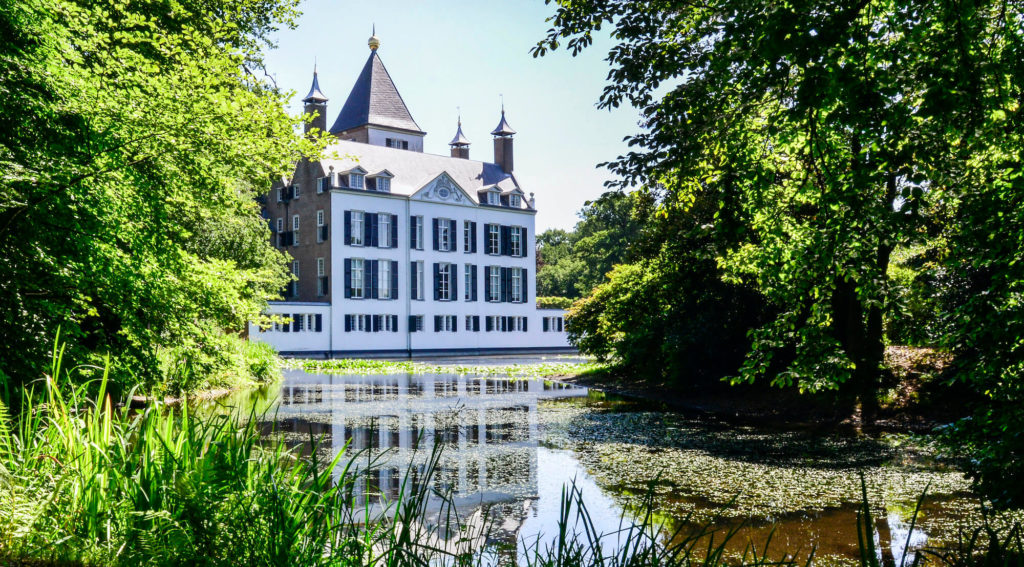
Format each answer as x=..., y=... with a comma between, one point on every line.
x=378, y=137
x=306, y=340
x=335, y=339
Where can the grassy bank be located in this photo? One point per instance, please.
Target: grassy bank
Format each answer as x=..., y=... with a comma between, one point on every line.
x=362, y=366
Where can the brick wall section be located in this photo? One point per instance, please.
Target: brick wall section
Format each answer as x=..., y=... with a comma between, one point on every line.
x=308, y=249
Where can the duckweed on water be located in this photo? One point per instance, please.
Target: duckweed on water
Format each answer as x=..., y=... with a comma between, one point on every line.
x=360, y=366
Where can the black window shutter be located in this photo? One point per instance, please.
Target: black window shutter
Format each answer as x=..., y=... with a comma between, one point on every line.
x=474, y=281
x=377, y=320
x=437, y=323
x=318, y=322
x=394, y=279
x=524, y=240
x=348, y=323
x=371, y=239
x=394, y=232
x=285, y=327
x=544, y=324
x=437, y=281
x=372, y=280
x=472, y=237
x=367, y=278
x=525, y=321
x=455, y=324
x=504, y=286
x=435, y=232
x=476, y=322
x=522, y=280
x=412, y=323
x=394, y=323
x=348, y=277
x=505, y=232
x=296, y=318
x=368, y=322
x=413, y=291
x=348, y=228
x=560, y=324
x=452, y=240
x=490, y=324
x=412, y=232
x=453, y=281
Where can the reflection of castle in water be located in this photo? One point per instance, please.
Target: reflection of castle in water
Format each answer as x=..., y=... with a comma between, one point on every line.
x=488, y=428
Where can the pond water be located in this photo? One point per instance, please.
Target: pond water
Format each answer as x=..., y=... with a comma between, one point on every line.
x=510, y=446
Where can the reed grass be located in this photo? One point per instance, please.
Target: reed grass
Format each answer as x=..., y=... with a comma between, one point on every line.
x=85, y=481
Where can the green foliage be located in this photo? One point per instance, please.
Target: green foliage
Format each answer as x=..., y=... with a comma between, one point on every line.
x=837, y=138
x=134, y=138
x=610, y=231
x=554, y=303
x=671, y=316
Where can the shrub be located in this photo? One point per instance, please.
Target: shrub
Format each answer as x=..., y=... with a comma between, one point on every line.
x=554, y=302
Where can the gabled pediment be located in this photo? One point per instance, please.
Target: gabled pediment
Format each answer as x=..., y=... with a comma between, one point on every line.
x=443, y=189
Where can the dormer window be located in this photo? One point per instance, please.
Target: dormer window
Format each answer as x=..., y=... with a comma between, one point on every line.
x=355, y=180
x=515, y=201
x=493, y=198
x=384, y=184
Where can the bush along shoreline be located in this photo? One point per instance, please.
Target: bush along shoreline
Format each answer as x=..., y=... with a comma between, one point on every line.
x=83, y=481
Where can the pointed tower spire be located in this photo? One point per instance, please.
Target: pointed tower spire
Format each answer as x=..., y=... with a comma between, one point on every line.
x=375, y=104
x=503, y=142
x=459, y=144
x=315, y=94
x=315, y=105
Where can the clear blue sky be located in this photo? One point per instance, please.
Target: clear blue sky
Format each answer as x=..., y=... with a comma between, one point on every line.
x=448, y=54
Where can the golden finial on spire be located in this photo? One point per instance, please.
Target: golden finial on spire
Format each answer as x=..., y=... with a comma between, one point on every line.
x=374, y=41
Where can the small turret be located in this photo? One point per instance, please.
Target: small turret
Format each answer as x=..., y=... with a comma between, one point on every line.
x=315, y=104
x=503, y=143
x=459, y=144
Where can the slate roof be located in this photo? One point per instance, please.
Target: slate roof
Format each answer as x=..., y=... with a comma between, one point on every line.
x=413, y=170
x=374, y=100
x=315, y=94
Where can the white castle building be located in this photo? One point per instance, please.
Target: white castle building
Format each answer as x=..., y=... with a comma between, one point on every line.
x=397, y=252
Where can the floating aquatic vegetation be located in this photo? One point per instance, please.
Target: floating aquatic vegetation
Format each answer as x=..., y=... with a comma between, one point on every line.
x=360, y=366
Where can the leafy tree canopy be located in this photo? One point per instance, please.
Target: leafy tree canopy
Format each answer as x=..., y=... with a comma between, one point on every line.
x=134, y=138
x=832, y=135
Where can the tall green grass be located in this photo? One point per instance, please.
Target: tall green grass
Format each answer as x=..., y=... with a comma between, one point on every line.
x=84, y=481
